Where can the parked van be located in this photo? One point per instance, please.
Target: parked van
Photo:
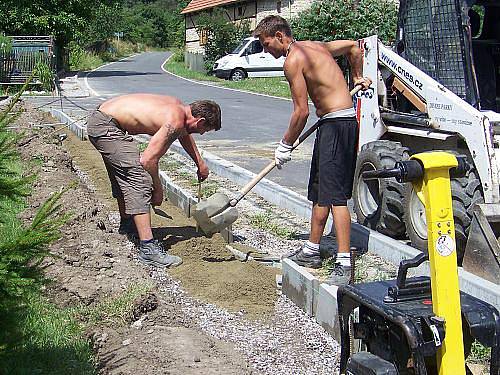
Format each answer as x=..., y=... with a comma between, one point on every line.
x=248, y=60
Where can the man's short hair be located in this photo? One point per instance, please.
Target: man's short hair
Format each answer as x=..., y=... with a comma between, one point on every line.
x=209, y=110
x=270, y=24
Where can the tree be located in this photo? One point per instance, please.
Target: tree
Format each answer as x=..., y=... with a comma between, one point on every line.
x=328, y=20
x=222, y=36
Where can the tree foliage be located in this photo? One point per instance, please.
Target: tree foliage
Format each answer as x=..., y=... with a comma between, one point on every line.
x=328, y=20
x=92, y=24
x=158, y=23
x=222, y=36
x=22, y=247
x=60, y=18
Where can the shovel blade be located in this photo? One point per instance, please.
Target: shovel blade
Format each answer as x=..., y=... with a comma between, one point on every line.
x=216, y=223
x=211, y=206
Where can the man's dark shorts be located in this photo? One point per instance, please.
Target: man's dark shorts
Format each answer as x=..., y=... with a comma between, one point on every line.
x=334, y=162
x=120, y=153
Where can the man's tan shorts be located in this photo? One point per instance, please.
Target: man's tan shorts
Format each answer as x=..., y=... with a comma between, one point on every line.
x=120, y=153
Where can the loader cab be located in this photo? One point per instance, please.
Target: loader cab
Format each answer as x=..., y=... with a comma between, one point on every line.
x=456, y=42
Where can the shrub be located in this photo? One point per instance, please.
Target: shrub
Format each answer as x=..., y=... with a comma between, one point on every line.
x=45, y=75
x=5, y=44
x=328, y=20
x=21, y=247
x=222, y=36
x=80, y=59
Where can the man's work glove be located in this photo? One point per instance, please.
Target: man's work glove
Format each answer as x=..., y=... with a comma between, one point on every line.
x=282, y=154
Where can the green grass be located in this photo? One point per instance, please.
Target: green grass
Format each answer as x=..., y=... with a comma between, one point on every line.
x=479, y=353
x=265, y=222
x=81, y=59
x=36, y=337
x=114, y=311
x=275, y=86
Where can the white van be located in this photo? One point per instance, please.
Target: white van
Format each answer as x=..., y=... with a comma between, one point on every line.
x=248, y=60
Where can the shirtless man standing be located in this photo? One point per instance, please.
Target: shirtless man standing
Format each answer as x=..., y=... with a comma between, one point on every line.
x=134, y=177
x=310, y=68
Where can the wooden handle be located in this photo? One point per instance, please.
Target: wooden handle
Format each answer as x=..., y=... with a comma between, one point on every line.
x=254, y=181
x=249, y=186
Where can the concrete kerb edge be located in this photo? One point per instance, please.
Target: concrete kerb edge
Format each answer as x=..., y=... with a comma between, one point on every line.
x=79, y=130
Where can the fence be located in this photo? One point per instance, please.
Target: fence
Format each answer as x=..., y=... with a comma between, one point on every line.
x=194, y=61
x=17, y=63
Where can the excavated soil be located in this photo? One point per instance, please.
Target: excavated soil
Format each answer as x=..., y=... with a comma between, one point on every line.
x=209, y=271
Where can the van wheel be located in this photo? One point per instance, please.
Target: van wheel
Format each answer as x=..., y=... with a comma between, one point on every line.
x=237, y=74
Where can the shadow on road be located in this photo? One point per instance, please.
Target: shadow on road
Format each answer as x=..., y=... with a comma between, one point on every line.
x=120, y=73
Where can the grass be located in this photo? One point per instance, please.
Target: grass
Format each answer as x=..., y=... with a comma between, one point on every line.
x=81, y=59
x=479, y=353
x=38, y=338
x=275, y=86
x=114, y=311
x=265, y=222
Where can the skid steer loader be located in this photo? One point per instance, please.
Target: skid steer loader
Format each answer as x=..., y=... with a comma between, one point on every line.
x=437, y=89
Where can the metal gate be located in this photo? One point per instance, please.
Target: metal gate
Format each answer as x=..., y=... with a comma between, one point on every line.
x=17, y=64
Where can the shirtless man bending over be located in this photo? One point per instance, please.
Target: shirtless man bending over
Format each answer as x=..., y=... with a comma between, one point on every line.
x=134, y=177
x=310, y=68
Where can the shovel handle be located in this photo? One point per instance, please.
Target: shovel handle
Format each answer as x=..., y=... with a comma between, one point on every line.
x=268, y=168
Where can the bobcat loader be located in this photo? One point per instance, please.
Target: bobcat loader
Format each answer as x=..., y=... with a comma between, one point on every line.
x=437, y=89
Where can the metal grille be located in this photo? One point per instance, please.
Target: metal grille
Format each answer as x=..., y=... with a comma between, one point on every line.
x=17, y=65
x=433, y=41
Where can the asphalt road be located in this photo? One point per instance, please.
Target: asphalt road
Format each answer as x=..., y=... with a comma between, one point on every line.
x=252, y=125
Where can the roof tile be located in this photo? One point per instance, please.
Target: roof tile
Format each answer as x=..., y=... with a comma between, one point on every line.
x=197, y=5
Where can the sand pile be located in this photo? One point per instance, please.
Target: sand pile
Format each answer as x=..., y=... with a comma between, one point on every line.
x=211, y=272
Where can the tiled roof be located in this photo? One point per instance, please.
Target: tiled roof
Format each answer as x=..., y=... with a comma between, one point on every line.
x=197, y=5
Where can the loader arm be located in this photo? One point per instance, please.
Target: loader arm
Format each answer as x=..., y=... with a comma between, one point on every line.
x=442, y=114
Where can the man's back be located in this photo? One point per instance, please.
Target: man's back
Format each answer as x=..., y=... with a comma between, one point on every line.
x=324, y=79
x=142, y=113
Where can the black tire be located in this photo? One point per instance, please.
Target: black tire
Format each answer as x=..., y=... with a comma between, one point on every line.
x=238, y=74
x=465, y=193
x=378, y=204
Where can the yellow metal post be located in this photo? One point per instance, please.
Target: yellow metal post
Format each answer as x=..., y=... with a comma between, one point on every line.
x=435, y=190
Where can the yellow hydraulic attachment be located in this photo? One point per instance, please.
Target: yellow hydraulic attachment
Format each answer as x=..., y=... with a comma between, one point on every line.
x=434, y=190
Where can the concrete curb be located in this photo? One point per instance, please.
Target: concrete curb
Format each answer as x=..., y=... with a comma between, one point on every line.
x=270, y=191
x=317, y=300
x=300, y=286
x=79, y=130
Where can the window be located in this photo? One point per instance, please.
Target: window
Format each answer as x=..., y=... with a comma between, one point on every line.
x=278, y=6
x=240, y=11
x=255, y=47
x=203, y=37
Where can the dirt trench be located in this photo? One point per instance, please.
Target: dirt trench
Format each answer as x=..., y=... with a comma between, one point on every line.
x=94, y=264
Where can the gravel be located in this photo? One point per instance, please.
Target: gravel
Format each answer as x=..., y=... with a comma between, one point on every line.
x=290, y=342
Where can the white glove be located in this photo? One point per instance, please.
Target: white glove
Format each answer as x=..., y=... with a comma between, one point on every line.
x=282, y=154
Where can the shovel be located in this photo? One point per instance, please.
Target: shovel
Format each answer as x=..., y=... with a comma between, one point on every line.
x=218, y=211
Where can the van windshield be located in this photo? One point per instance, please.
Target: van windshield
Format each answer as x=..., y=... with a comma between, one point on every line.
x=240, y=47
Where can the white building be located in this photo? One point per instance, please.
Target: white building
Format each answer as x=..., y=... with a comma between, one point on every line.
x=253, y=11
